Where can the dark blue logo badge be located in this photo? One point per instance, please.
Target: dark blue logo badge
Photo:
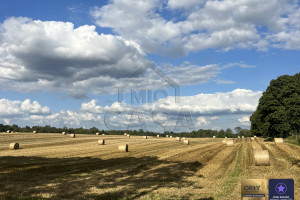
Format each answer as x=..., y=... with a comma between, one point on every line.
x=281, y=189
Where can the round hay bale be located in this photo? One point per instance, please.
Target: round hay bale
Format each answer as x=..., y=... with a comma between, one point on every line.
x=255, y=136
x=63, y=133
x=123, y=147
x=125, y=134
x=8, y=131
x=243, y=136
x=224, y=141
x=103, y=134
x=72, y=135
x=171, y=136
x=128, y=135
x=145, y=137
x=167, y=135
x=101, y=142
x=183, y=138
x=34, y=131
x=157, y=136
x=261, y=157
x=278, y=140
x=230, y=143
x=97, y=133
x=252, y=138
x=225, y=137
x=187, y=142
x=14, y=146
x=178, y=138
x=214, y=136
x=239, y=137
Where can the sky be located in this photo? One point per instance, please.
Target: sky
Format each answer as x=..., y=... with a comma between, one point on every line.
x=171, y=65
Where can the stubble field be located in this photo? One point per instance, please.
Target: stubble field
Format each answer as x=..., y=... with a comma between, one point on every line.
x=55, y=166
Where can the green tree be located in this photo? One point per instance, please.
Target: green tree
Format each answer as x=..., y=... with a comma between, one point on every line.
x=278, y=111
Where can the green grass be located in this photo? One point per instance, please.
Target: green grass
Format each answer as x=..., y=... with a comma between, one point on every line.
x=293, y=140
x=233, y=178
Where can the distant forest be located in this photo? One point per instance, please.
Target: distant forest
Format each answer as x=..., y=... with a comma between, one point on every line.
x=238, y=131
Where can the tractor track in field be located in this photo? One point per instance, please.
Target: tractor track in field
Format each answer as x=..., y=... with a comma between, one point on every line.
x=280, y=154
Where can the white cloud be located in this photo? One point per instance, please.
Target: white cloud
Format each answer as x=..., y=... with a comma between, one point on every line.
x=91, y=107
x=226, y=25
x=203, y=110
x=184, y=4
x=225, y=82
x=13, y=108
x=244, y=120
x=240, y=64
x=55, y=56
x=237, y=101
x=214, y=117
x=201, y=121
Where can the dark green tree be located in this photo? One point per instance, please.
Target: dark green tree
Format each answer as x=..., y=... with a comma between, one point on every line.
x=278, y=111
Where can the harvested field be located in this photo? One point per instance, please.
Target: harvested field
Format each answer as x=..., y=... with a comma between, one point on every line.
x=54, y=166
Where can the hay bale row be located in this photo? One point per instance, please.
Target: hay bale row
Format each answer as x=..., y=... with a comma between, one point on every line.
x=261, y=157
x=14, y=146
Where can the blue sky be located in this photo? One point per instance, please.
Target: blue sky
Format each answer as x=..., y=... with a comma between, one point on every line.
x=62, y=62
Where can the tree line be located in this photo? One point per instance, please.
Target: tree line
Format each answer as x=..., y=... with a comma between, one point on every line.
x=238, y=131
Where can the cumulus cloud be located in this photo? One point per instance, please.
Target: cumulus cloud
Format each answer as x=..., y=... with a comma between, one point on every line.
x=202, y=25
x=53, y=55
x=244, y=120
x=201, y=110
x=221, y=110
x=26, y=107
x=237, y=101
x=201, y=121
x=91, y=106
